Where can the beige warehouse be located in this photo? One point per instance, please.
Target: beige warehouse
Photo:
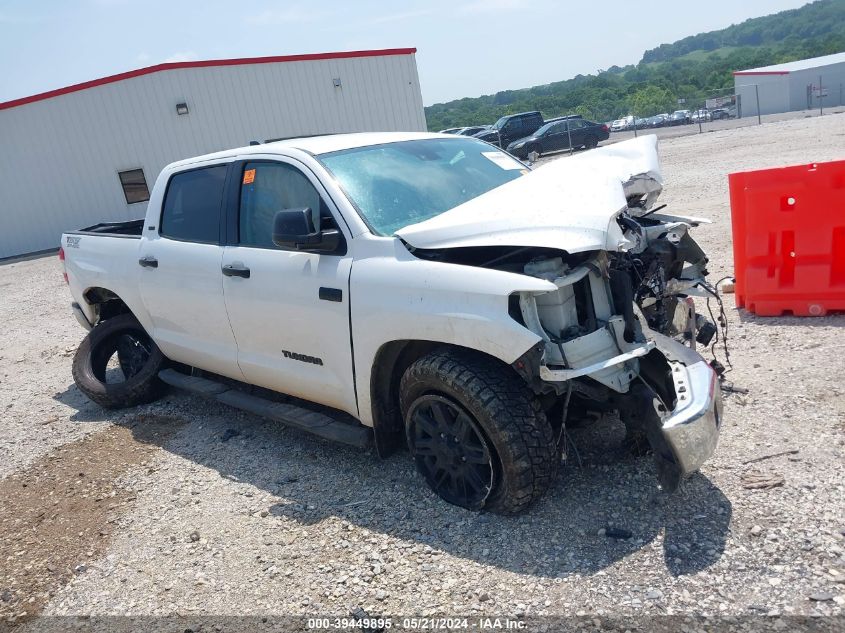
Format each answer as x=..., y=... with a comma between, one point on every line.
x=90, y=153
x=806, y=84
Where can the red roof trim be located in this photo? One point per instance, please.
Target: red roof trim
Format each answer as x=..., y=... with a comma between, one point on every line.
x=763, y=72
x=203, y=64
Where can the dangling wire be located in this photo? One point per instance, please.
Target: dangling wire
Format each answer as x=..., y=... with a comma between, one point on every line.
x=563, y=438
x=722, y=321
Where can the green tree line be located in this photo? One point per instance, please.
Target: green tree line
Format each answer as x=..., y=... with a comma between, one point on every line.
x=666, y=73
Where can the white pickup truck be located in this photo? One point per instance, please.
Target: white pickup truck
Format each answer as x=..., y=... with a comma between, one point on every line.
x=410, y=289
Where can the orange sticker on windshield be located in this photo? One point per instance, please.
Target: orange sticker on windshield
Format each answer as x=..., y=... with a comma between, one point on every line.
x=249, y=176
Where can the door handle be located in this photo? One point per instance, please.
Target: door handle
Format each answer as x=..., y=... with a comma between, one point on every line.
x=330, y=294
x=148, y=262
x=236, y=271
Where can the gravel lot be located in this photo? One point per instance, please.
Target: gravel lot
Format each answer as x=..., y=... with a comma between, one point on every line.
x=157, y=511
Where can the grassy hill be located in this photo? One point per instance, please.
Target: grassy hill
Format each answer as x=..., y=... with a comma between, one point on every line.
x=693, y=68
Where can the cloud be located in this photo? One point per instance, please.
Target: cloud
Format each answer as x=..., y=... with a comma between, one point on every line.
x=180, y=56
x=289, y=15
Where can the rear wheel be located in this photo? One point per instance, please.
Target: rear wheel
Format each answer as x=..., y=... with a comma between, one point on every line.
x=117, y=364
x=592, y=142
x=477, y=435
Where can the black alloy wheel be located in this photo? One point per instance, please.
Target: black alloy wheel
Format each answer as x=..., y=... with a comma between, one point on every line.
x=133, y=351
x=451, y=451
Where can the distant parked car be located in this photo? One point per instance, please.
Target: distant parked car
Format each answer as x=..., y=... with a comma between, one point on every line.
x=512, y=127
x=619, y=125
x=555, y=135
x=679, y=117
x=472, y=130
x=700, y=116
x=658, y=120
x=720, y=113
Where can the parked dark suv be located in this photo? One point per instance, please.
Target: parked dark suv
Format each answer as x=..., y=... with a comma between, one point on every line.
x=511, y=127
x=555, y=135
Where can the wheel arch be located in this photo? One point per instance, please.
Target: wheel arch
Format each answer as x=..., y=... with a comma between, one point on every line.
x=105, y=303
x=389, y=365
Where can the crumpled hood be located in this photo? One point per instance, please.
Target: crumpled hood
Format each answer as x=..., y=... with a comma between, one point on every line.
x=569, y=204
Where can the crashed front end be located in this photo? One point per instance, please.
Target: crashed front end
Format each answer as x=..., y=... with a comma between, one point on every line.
x=619, y=329
x=594, y=347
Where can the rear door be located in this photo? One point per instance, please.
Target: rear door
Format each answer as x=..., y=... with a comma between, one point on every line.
x=180, y=281
x=290, y=315
x=577, y=132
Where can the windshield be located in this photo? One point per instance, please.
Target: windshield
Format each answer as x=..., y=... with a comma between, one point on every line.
x=498, y=125
x=397, y=184
x=545, y=128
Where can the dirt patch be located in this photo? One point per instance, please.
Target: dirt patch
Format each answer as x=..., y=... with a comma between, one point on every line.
x=59, y=513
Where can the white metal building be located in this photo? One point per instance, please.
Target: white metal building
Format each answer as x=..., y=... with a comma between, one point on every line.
x=801, y=85
x=91, y=152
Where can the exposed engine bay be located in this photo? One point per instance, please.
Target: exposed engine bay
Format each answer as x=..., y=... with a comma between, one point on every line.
x=620, y=330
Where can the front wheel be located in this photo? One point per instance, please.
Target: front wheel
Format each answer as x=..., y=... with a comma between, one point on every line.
x=476, y=433
x=117, y=364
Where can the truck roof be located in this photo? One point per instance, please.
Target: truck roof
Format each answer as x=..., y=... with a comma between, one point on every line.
x=315, y=144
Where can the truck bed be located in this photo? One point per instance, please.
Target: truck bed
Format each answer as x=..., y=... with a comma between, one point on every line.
x=130, y=228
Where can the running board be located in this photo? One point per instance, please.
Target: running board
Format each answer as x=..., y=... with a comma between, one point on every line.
x=313, y=422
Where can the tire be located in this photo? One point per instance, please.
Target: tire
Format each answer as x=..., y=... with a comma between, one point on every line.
x=503, y=435
x=139, y=358
x=534, y=148
x=592, y=142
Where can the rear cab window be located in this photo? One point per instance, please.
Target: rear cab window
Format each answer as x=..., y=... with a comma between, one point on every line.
x=192, y=205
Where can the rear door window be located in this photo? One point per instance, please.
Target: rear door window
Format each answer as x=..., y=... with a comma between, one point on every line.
x=191, y=210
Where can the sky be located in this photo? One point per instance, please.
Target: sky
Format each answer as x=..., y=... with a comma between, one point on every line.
x=465, y=48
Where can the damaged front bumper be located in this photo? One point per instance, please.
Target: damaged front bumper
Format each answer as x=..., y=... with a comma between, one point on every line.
x=691, y=431
x=681, y=417
x=594, y=339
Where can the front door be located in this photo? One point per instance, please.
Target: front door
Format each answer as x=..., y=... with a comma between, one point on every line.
x=290, y=315
x=556, y=138
x=180, y=280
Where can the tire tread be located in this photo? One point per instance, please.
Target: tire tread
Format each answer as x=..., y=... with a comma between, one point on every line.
x=522, y=436
x=140, y=389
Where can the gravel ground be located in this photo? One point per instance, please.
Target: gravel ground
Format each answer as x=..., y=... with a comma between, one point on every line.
x=211, y=511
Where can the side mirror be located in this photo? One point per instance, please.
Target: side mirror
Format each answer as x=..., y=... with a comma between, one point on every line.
x=294, y=230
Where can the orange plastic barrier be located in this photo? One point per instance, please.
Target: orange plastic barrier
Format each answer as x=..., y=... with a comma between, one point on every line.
x=789, y=239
